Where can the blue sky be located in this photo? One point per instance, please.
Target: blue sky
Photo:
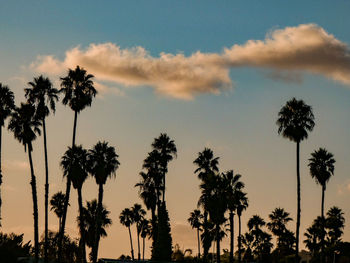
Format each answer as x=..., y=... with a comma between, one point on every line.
x=239, y=124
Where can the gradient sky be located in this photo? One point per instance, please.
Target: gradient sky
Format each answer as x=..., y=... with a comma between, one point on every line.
x=238, y=123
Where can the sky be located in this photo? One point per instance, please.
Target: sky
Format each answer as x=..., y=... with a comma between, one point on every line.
x=209, y=74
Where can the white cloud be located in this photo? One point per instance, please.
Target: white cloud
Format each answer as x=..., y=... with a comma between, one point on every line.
x=287, y=52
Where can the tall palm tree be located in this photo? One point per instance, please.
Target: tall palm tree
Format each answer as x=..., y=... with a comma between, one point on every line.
x=78, y=89
x=25, y=128
x=277, y=225
x=195, y=221
x=57, y=205
x=44, y=96
x=207, y=167
x=127, y=219
x=75, y=167
x=145, y=231
x=138, y=215
x=242, y=201
x=103, y=163
x=295, y=120
x=233, y=185
x=167, y=150
x=90, y=217
x=7, y=104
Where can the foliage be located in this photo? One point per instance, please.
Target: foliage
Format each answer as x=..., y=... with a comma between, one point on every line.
x=12, y=247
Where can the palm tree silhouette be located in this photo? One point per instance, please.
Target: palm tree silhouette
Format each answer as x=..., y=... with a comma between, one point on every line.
x=195, y=221
x=233, y=185
x=167, y=151
x=145, y=231
x=277, y=225
x=78, y=91
x=89, y=217
x=74, y=165
x=57, y=205
x=242, y=204
x=295, y=120
x=7, y=104
x=25, y=128
x=43, y=96
x=138, y=216
x=127, y=219
x=103, y=164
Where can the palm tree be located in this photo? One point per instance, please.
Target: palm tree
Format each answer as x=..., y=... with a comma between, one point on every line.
x=78, y=91
x=127, y=219
x=314, y=235
x=57, y=205
x=7, y=104
x=277, y=225
x=195, y=221
x=167, y=151
x=90, y=217
x=103, y=164
x=44, y=96
x=295, y=120
x=233, y=185
x=242, y=201
x=138, y=215
x=74, y=165
x=145, y=230
x=25, y=128
x=335, y=225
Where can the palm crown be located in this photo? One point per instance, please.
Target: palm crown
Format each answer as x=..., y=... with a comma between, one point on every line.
x=6, y=103
x=207, y=163
x=126, y=217
x=57, y=203
x=321, y=166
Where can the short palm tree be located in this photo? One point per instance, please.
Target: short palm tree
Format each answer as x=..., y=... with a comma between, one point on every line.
x=25, y=128
x=167, y=150
x=90, y=217
x=138, y=215
x=7, y=104
x=195, y=221
x=295, y=120
x=74, y=165
x=103, y=163
x=57, y=205
x=127, y=219
x=78, y=90
x=278, y=221
x=44, y=96
x=242, y=205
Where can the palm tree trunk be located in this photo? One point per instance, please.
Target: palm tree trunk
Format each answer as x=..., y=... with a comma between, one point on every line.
x=81, y=225
x=143, y=249
x=199, y=244
x=205, y=249
x=232, y=236
x=323, y=221
x=66, y=201
x=0, y=173
x=97, y=224
x=46, y=195
x=298, y=204
x=163, y=187
x=239, y=238
x=138, y=243
x=35, y=205
x=132, y=248
x=217, y=243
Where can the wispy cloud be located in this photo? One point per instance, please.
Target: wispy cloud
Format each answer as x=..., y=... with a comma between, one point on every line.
x=287, y=52
x=15, y=165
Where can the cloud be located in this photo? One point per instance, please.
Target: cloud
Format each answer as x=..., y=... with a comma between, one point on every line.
x=15, y=165
x=343, y=188
x=287, y=52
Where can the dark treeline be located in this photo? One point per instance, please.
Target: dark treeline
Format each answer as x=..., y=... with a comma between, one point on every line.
x=221, y=203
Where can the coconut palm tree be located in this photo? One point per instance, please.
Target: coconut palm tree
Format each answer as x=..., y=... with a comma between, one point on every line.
x=89, y=217
x=57, y=205
x=145, y=231
x=138, y=215
x=167, y=152
x=25, y=128
x=233, y=185
x=78, y=91
x=127, y=219
x=74, y=165
x=44, y=97
x=103, y=163
x=7, y=104
x=295, y=120
x=242, y=201
x=195, y=221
